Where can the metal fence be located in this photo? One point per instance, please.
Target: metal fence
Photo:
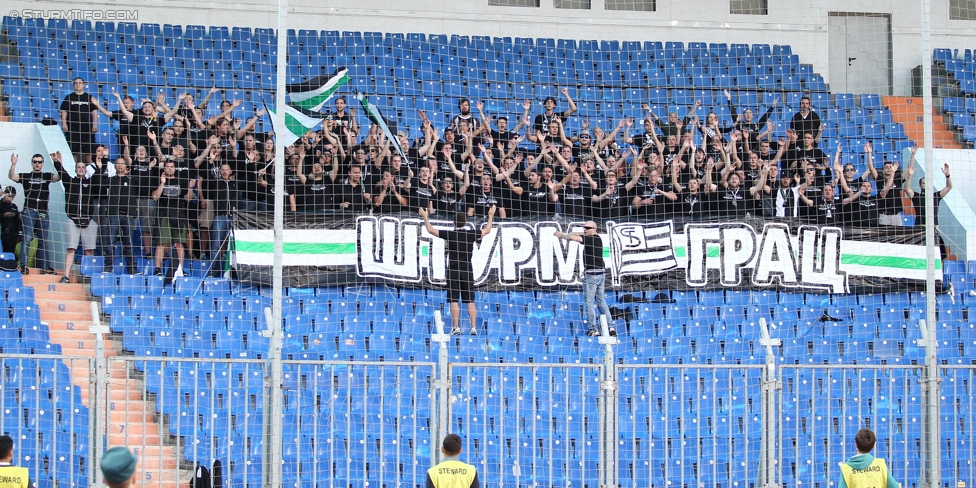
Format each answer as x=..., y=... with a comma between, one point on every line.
x=524, y=424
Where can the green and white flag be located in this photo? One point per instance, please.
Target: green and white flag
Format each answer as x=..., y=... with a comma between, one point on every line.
x=297, y=123
x=311, y=95
x=388, y=127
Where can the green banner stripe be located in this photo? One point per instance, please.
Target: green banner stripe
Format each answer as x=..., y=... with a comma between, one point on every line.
x=298, y=247
x=887, y=261
x=857, y=259
x=713, y=251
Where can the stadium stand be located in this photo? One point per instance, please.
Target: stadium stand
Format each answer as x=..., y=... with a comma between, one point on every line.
x=686, y=425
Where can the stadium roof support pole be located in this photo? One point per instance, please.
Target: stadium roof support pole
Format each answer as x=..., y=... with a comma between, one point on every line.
x=442, y=388
x=771, y=385
x=273, y=440
x=97, y=422
x=608, y=409
x=932, y=458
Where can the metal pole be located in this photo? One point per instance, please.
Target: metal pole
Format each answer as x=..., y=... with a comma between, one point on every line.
x=442, y=387
x=273, y=446
x=101, y=394
x=931, y=455
x=770, y=385
x=608, y=410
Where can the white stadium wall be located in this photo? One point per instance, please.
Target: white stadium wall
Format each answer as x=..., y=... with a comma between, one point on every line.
x=801, y=24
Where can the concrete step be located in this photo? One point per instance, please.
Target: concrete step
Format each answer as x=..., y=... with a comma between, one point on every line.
x=910, y=112
x=62, y=305
x=132, y=420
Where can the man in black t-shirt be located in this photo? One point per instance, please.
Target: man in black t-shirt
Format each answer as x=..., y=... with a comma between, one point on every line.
x=10, y=225
x=823, y=208
x=353, y=195
x=223, y=194
x=121, y=193
x=343, y=119
x=36, y=223
x=421, y=193
x=861, y=209
x=124, y=116
x=541, y=123
x=918, y=201
x=172, y=194
x=484, y=198
x=459, y=244
x=594, y=276
x=80, y=194
x=464, y=106
x=79, y=117
x=806, y=121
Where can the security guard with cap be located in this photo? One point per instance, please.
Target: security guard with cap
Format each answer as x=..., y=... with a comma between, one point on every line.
x=119, y=467
x=864, y=470
x=11, y=476
x=451, y=472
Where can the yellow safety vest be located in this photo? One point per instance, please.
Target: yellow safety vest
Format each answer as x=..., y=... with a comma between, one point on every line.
x=452, y=473
x=13, y=477
x=873, y=476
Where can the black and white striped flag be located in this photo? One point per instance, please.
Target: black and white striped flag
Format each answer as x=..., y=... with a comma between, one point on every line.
x=640, y=248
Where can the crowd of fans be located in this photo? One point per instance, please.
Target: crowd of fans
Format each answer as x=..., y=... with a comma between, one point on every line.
x=186, y=173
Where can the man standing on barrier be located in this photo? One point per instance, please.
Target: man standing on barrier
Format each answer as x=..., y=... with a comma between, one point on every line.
x=594, y=276
x=460, y=276
x=863, y=470
x=451, y=472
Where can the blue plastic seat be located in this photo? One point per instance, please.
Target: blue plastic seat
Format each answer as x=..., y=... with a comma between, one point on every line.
x=20, y=296
x=103, y=284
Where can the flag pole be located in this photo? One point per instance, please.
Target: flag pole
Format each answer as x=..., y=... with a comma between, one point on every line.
x=273, y=447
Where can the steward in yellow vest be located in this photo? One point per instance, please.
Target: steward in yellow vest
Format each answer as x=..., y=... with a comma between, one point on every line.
x=451, y=472
x=11, y=476
x=864, y=470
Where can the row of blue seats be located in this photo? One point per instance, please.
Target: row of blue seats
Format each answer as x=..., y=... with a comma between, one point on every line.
x=249, y=78
x=433, y=94
x=731, y=323
x=49, y=472
x=313, y=61
x=443, y=96
x=865, y=322
x=393, y=348
x=69, y=39
x=960, y=105
x=946, y=55
x=126, y=285
x=82, y=30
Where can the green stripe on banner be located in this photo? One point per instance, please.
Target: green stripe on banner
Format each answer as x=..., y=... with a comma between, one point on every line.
x=887, y=261
x=713, y=251
x=298, y=247
x=858, y=259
